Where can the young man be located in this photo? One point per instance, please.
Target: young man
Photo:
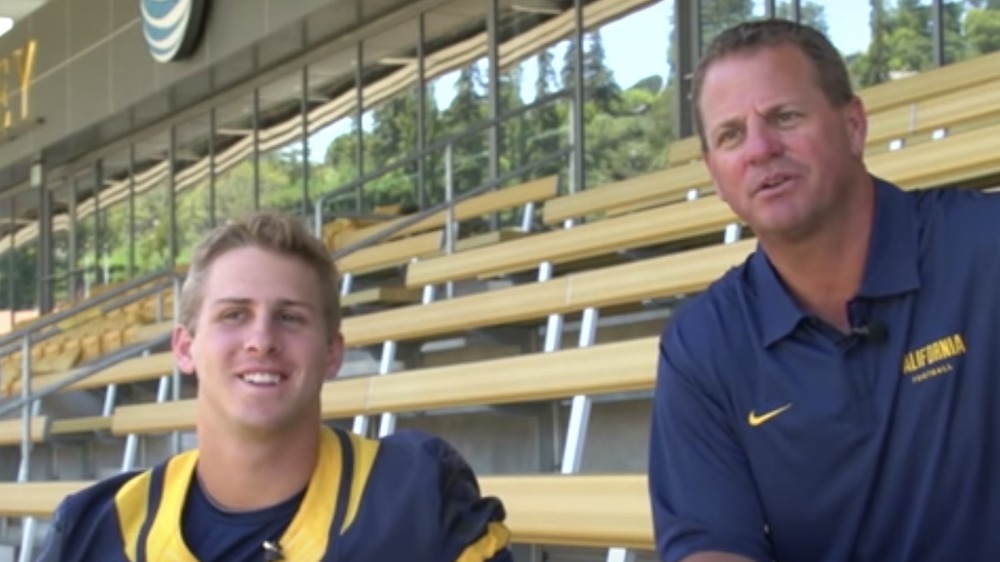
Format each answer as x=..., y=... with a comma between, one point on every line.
x=835, y=397
x=259, y=327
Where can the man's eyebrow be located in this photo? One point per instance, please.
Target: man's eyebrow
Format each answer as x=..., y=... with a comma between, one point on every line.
x=245, y=301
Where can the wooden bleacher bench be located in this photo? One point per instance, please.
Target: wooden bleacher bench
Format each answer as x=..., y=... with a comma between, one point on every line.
x=932, y=83
x=671, y=275
x=606, y=510
x=533, y=191
x=667, y=185
x=10, y=430
x=73, y=426
x=37, y=499
x=657, y=225
x=952, y=160
x=392, y=253
x=603, y=369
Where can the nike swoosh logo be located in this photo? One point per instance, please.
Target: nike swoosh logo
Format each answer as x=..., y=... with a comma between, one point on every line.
x=754, y=420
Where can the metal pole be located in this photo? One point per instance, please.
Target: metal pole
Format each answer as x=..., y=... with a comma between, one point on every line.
x=493, y=47
x=172, y=198
x=359, y=152
x=421, y=113
x=211, y=168
x=304, y=122
x=577, y=173
x=131, y=211
x=255, y=120
x=938, y=39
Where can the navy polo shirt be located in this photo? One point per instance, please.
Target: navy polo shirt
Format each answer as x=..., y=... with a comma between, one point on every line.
x=777, y=437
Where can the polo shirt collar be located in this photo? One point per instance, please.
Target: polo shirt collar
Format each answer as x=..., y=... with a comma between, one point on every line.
x=892, y=265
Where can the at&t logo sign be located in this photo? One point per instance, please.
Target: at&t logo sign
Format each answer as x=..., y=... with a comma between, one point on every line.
x=173, y=28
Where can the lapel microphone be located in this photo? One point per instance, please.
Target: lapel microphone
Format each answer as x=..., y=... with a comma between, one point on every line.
x=272, y=551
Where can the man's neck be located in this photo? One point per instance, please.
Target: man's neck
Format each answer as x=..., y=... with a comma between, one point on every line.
x=242, y=474
x=825, y=270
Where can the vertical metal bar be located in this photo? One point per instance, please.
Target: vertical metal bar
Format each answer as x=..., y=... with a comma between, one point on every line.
x=579, y=417
x=255, y=120
x=359, y=113
x=493, y=49
x=24, y=470
x=621, y=555
x=733, y=233
x=449, y=196
x=387, y=423
x=421, y=112
x=110, y=397
x=687, y=37
x=131, y=211
x=43, y=266
x=211, y=168
x=796, y=9
x=346, y=280
x=172, y=197
x=938, y=39
x=578, y=176
x=304, y=108
x=100, y=227
x=554, y=323
x=71, y=251
x=11, y=257
x=27, y=539
x=528, y=216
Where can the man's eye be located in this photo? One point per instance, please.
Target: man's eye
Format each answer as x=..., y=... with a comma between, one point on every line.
x=291, y=318
x=727, y=137
x=233, y=315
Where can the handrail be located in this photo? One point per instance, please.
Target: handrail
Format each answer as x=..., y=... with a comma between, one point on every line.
x=83, y=373
x=37, y=338
x=54, y=318
x=472, y=130
x=410, y=220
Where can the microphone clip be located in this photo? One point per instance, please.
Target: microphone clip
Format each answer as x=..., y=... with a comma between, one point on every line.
x=272, y=551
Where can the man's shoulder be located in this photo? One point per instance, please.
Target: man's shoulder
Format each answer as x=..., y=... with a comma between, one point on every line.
x=85, y=522
x=95, y=498
x=421, y=451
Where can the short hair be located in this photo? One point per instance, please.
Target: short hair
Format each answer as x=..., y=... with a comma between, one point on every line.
x=268, y=230
x=827, y=64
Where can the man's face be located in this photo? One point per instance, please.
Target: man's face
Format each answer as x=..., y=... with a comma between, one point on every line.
x=260, y=347
x=779, y=153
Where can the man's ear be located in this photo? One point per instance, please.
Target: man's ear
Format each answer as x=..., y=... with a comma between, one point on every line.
x=334, y=357
x=181, y=343
x=856, y=120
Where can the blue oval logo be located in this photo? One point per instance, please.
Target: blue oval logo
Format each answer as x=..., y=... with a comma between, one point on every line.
x=172, y=28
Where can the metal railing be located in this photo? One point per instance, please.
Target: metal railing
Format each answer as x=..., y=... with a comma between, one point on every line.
x=445, y=143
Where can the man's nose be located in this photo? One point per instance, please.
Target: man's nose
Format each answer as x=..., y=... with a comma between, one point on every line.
x=762, y=142
x=261, y=338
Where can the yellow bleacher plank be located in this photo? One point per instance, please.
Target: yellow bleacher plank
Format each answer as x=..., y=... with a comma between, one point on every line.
x=561, y=246
x=927, y=115
x=86, y=424
x=672, y=183
x=389, y=254
x=607, y=510
x=930, y=83
x=533, y=191
x=576, y=510
x=154, y=418
x=955, y=159
x=10, y=430
x=130, y=370
x=380, y=295
x=658, y=277
x=683, y=151
x=614, y=367
x=38, y=499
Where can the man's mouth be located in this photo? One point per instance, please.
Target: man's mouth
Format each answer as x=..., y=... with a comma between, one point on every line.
x=260, y=378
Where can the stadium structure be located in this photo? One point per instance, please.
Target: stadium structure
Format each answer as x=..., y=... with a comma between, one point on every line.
x=511, y=190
